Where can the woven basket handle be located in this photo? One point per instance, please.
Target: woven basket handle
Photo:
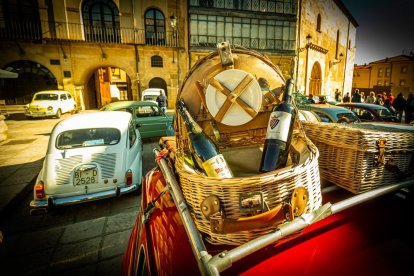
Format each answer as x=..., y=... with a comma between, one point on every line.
x=277, y=215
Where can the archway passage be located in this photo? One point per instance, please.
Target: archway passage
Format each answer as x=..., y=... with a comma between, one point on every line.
x=32, y=77
x=315, y=80
x=106, y=85
x=158, y=83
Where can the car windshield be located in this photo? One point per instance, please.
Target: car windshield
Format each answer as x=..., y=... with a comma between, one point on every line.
x=46, y=97
x=350, y=116
x=88, y=137
x=150, y=97
x=383, y=112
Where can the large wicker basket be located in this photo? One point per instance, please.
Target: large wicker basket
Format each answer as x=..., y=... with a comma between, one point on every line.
x=362, y=157
x=241, y=146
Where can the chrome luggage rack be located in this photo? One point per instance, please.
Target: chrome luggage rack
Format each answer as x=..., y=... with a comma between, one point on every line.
x=214, y=265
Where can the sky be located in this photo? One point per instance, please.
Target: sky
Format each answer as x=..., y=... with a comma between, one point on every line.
x=386, y=28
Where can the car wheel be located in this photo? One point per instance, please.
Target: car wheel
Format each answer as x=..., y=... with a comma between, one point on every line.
x=73, y=111
x=58, y=113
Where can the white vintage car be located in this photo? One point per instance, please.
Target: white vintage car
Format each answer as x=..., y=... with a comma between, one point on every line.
x=90, y=156
x=50, y=103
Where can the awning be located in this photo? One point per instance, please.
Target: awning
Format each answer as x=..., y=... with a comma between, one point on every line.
x=4, y=74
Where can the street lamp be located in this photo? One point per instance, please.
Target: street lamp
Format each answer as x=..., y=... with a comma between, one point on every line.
x=173, y=22
x=336, y=61
x=308, y=42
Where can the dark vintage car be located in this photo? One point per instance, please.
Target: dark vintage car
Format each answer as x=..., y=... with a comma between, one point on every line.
x=154, y=122
x=347, y=234
x=332, y=113
x=370, y=112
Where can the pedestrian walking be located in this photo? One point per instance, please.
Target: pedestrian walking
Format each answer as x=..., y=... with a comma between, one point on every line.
x=399, y=105
x=371, y=98
x=162, y=101
x=409, y=109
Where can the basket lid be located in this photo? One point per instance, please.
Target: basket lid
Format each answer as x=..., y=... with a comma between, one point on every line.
x=234, y=89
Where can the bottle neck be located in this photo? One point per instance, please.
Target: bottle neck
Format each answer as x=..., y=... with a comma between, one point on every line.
x=287, y=95
x=190, y=123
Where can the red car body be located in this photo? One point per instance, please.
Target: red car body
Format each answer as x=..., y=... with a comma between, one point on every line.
x=372, y=238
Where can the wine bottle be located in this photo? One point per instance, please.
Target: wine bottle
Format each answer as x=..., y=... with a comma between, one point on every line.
x=205, y=152
x=279, y=133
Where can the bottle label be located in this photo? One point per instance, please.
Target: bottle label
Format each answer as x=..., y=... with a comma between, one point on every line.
x=217, y=167
x=278, y=127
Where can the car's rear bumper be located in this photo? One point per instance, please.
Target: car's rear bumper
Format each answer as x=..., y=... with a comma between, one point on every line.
x=51, y=201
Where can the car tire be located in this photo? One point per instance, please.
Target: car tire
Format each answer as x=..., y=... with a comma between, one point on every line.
x=58, y=113
x=73, y=111
x=29, y=117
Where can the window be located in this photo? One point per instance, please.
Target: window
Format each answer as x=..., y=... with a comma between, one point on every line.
x=387, y=71
x=403, y=69
x=101, y=21
x=380, y=72
x=156, y=61
x=263, y=6
x=255, y=33
x=402, y=83
x=154, y=27
x=386, y=83
x=63, y=97
x=21, y=19
x=318, y=23
x=337, y=45
x=88, y=137
x=379, y=83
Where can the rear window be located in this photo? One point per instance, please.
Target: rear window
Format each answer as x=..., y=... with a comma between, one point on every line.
x=88, y=137
x=46, y=97
x=150, y=97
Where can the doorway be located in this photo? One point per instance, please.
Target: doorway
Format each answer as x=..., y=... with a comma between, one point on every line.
x=315, y=80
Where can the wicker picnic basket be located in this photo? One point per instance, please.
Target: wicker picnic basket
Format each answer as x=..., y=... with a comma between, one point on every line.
x=241, y=145
x=362, y=157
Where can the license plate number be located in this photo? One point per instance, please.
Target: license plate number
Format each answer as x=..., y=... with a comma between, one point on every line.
x=86, y=177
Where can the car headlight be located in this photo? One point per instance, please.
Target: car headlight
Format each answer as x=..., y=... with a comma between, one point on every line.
x=50, y=108
x=26, y=106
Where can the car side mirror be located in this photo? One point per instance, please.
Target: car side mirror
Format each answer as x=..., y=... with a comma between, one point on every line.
x=138, y=125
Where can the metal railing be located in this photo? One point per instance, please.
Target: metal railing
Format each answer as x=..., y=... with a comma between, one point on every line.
x=75, y=32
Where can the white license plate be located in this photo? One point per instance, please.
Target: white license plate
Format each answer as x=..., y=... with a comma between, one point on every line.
x=85, y=177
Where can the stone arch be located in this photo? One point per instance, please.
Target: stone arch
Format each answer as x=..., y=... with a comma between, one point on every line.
x=100, y=87
x=33, y=77
x=158, y=83
x=315, y=82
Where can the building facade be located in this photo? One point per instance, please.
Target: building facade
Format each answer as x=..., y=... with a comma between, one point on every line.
x=107, y=50
x=395, y=75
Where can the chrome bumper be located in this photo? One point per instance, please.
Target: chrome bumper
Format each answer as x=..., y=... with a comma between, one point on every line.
x=50, y=202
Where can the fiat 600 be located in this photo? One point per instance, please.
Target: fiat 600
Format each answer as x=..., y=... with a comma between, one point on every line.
x=90, y=156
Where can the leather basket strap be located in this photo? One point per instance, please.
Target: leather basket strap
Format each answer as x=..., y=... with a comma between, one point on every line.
x=276, y=215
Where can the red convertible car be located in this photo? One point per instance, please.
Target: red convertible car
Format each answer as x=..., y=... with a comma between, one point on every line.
x=178, y=232
x=365, y=234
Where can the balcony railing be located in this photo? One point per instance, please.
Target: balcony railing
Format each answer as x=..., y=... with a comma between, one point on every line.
x=75, y=32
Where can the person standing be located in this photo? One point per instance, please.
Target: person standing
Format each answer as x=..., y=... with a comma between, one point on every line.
x=391, y=97
x=371, y=98
x=356, y=97
x=347, y=98
x=379, y=100
x=162, y=101
x=399, y=105
x=409, y=109
x=387, y=104
x=338, y=95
